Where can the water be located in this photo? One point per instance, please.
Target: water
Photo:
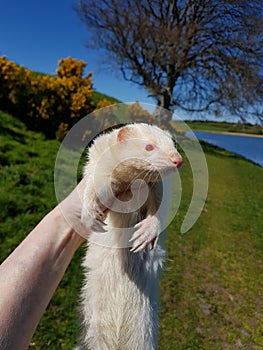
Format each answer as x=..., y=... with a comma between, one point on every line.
x=247, y=146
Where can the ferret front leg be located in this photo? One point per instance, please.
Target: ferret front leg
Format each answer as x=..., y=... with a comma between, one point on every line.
x=147, y=233
x=93, y=216
x=93, y=212
x=148, y=229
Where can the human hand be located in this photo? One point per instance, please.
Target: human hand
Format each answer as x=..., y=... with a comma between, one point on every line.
x=71, y=208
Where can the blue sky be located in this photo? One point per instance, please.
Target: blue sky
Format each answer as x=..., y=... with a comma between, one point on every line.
x=36, y=34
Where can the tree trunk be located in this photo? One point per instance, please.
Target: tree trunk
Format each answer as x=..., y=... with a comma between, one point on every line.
x=165, y=99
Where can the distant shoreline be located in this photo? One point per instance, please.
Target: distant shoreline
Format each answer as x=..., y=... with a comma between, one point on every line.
x=230, y=133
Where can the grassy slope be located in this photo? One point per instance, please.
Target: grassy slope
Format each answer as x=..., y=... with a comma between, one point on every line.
x=210, y=290
x=98, y=96
x=26, y=195
x=26, y=182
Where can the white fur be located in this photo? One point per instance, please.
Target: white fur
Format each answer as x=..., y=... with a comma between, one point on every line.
x=119, y=299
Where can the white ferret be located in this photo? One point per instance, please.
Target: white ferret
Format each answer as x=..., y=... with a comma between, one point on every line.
x=120, y=295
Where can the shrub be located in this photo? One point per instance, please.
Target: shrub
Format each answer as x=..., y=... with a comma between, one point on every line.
x=51, y=104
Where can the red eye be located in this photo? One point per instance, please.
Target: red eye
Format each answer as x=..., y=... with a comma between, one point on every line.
x=149, y=147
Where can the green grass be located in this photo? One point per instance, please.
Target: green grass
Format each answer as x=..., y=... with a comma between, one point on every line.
x=225, y=127
x=26, y=195
x=211, y=289
x=26, y=181
x=98, y=96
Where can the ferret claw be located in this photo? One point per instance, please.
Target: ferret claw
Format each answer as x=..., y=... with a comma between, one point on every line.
x=135, y=235
x=154, y=243
x=138, y=249
x=95, y=225
x=101, y=222
x=94, y=220
x=98, y=226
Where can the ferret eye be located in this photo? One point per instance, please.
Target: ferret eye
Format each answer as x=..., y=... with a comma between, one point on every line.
x=149, y=147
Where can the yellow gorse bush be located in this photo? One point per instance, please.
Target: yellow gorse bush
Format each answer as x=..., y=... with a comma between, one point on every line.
x=49, y=103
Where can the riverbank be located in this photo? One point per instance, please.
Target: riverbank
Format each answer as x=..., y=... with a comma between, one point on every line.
x=230, y=133
x=248, y=146
x=224, y=127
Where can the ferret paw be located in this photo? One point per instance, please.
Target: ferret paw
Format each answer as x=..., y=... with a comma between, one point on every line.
x=147, y=233
x=93, y=219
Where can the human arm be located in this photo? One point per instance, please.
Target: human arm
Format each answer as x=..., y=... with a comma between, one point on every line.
x=31, y=274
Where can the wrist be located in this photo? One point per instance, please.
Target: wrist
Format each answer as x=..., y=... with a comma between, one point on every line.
x=64, y=232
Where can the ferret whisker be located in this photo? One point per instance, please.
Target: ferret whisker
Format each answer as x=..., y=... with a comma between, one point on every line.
x=143, y=179
x=160, y=164
x=145, y=176
x=138, y=176
x=134, y=179
x=157, y=177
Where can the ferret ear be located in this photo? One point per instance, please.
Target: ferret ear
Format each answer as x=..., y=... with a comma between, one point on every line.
x=125, y=133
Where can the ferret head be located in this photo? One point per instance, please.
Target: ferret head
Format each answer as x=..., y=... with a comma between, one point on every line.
x=145, y=152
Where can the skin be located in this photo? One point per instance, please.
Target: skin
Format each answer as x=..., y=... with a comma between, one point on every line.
x=31, y=274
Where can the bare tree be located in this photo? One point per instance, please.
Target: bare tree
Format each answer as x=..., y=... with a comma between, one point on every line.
x=195, y=55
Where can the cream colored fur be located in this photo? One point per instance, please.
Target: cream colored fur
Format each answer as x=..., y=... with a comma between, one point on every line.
x=119, y=299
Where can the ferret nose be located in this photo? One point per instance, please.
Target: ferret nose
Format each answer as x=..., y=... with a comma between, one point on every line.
x=177, y=160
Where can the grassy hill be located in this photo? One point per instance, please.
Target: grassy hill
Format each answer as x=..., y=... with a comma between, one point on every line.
x=98, y=96
x=211, y=289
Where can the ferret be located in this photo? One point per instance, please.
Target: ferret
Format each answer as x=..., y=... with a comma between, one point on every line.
x=119, y=298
